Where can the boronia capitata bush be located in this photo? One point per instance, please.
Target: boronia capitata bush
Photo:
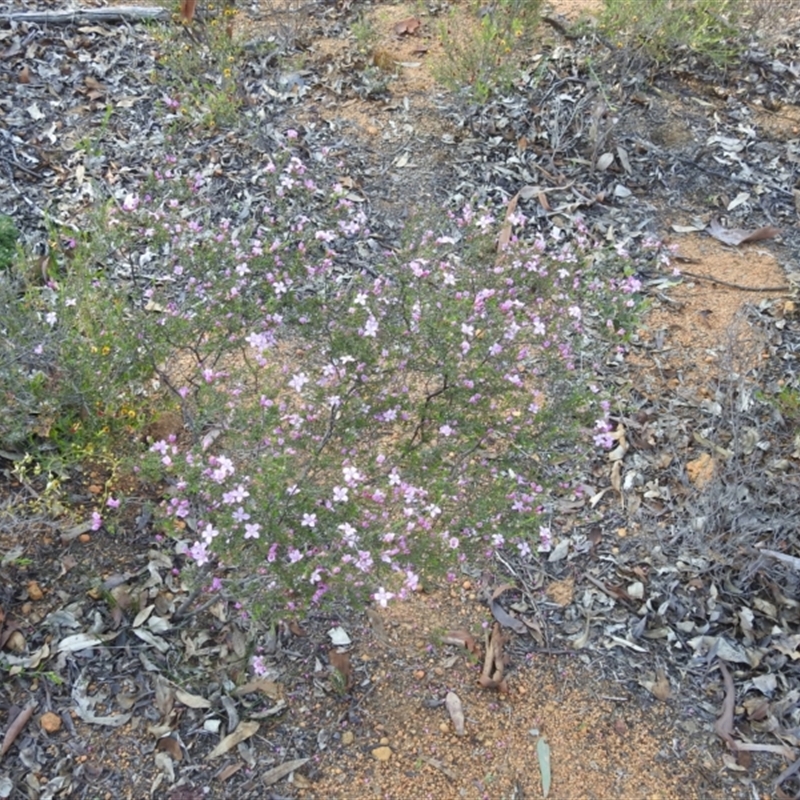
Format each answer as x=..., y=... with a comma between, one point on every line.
x=345, y=430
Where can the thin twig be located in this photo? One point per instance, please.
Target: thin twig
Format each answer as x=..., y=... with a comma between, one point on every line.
x=737, y=286
x=182, y=610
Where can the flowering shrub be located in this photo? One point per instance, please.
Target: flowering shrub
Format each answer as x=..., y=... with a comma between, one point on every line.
x=350, y=425
x=345, y=428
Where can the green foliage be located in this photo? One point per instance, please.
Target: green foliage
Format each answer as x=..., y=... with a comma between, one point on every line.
x=72, y=370
x=364, y=33
x=201, y=75
x=8, y=241
x=485, y=55
x=708, y=28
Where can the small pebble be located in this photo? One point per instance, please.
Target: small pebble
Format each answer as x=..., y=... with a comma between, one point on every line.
x=382, y=753
x=35, y=591
x=50, y=722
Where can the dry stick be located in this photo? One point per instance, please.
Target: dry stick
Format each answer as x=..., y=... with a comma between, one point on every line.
x=118, y=14
x=792, y=561
x=15, y=728
x=183, y=610
x=787, y=773
x=738, y=286
x=724, y=724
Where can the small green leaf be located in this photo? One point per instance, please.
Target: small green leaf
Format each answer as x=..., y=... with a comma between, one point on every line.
x=543, y=752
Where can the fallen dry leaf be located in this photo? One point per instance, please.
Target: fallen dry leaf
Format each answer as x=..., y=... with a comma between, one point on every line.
x=505, y=619
x=661, y=689
x=170, y=745
x=463, y=639
x=341, y=661
x=407, y=26
x=191, y=700
x=280, y=772
x=456, y=711
x=543, y=754
x=229, y=771
x=244, y=730
x=737, y=236
x=267, y=687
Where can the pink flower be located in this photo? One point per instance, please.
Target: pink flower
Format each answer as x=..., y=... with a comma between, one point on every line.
x=97, y=521
x=298, y=381
x=199, y=552
x=382, y=597
x=252, y=531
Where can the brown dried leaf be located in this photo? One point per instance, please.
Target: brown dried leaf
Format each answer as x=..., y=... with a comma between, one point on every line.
x=502, y=589
x=407, y=26
x=737, y=236
x=296, y=630
x=96, y=89
x=165, y=697
x=191, y=700
x=170, y=745
x=463, y=639
x=661, y=689
x=456, y=711
x=244, y=730
x=229, y=771
x=341, y=661
x=277, y=773
x=267, y=687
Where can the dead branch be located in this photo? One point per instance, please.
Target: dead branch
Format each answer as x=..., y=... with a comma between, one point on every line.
x=118, y=14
